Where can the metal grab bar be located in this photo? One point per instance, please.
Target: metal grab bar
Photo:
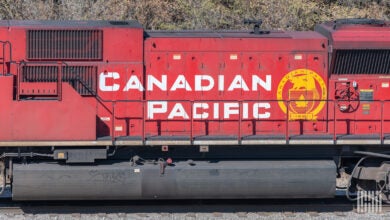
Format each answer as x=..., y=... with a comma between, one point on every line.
x=59, y=74
x=3, y=59
x=336, y=116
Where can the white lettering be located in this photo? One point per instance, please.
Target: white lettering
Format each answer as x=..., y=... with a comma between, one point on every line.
x=197, y=106
x=238, y=83
x=230, y=109
x=181, y=83
x=216, y=110
x=133, y=83
x=154, y=81
x=156, y=107
x=256, y=108
x=221, y=82
x=244, y=110
x=178, y=111
x=198, y=82
x=103, y=84
x=203, y=110
x=257, y=81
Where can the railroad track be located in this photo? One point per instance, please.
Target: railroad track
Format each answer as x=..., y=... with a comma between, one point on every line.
x=207, y=209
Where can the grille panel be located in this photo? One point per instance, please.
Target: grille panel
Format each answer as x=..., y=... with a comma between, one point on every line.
x=64, y=44
x=81, y=78
x=361, y=62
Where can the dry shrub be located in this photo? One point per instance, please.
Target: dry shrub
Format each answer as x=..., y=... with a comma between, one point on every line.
x=27, y=9
x=199, y=14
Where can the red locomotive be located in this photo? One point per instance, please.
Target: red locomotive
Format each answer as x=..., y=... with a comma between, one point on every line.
x=106, y=110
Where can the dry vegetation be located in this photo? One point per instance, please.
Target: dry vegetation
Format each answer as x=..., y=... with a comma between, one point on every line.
x=199, y=14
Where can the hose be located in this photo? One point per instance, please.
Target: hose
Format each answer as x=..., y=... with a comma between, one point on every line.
x=372, y=154
x=350, y=178
x=2, y=173
x=31, y=154
x=367, y=155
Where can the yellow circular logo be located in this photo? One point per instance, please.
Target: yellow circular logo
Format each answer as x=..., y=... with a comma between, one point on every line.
x=303, y=92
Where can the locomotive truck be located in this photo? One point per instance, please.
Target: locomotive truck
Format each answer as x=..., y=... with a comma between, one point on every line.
x=106, y=110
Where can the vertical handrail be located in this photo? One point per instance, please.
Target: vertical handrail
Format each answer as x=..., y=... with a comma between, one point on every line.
x=143, y=102
x=382, y=122
x=3, y=58
x=192, y=121
x=10, y=54
x=334, y=122
x=287, y=122
x=239, y=121
x=59, y=81
x=18, y=79
x=113, y=121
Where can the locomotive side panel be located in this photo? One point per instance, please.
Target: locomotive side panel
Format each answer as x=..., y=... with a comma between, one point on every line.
x=65, y=74
x=208, y=87
x=359, y=76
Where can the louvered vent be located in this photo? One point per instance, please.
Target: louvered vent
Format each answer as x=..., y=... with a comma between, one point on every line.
x=64, y=44
x=81, y=78
x=361, y=62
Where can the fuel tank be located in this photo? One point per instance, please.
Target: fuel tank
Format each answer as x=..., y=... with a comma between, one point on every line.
x=179, y=180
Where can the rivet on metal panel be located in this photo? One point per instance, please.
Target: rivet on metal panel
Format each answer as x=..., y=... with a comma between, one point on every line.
x=204, y=148
x=164, y=148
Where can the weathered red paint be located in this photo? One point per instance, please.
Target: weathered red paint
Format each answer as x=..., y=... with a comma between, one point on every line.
x=195, y=84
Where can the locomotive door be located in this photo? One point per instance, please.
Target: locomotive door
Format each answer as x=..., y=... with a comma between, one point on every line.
x=356, y=110
x=121, y=83
x=307, y=93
